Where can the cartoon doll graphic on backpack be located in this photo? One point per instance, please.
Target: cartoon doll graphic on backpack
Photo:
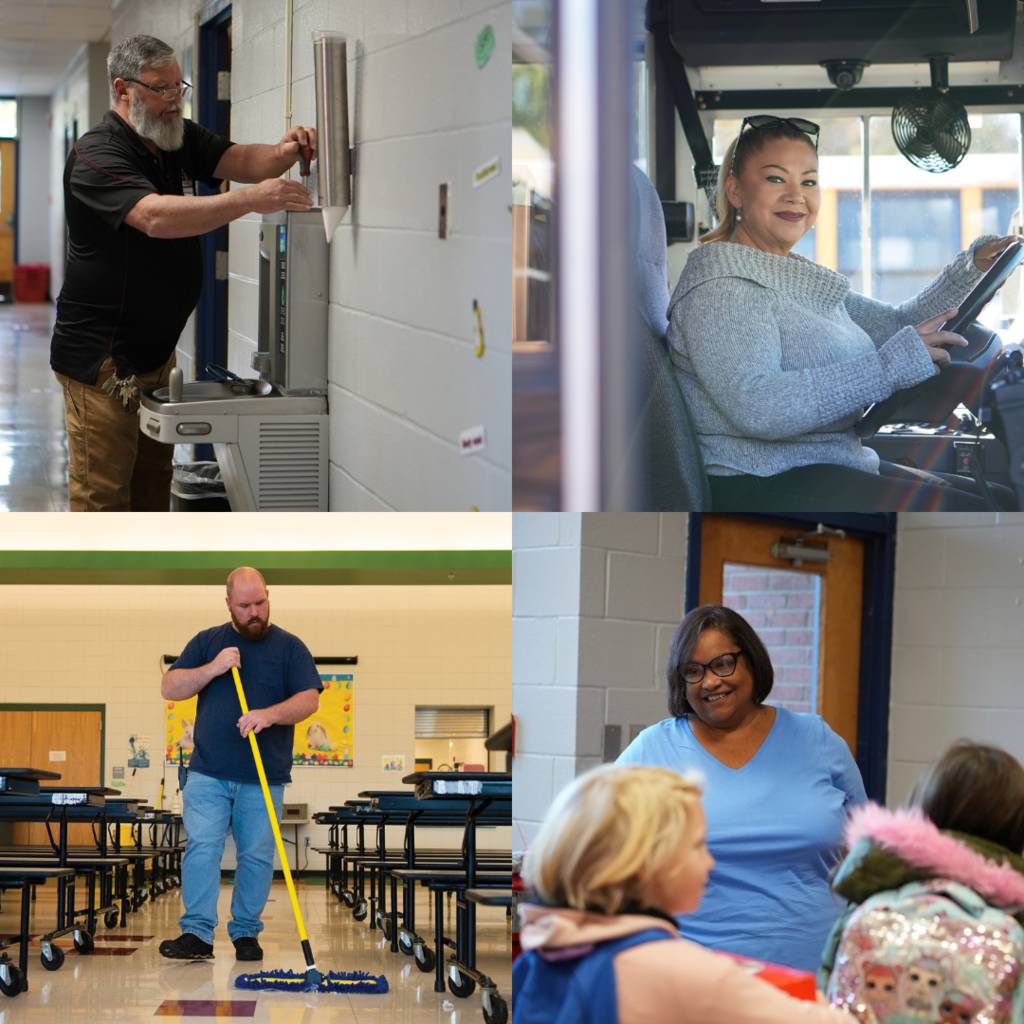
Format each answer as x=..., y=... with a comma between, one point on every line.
x=924, y=985
x=934, y=929
x=880, y=988
x=958, y=1008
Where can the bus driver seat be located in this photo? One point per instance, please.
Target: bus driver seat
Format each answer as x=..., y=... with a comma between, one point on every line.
x=670, y=470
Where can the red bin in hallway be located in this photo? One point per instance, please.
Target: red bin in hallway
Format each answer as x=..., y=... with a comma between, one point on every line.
x=31, y=282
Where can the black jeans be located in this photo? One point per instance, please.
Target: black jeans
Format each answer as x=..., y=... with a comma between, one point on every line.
x=830, y=488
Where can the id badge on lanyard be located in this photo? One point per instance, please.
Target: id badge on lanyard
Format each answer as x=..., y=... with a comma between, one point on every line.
x=188, y=186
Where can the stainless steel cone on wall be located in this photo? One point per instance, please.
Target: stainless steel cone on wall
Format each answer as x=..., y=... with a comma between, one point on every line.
x=330, y=61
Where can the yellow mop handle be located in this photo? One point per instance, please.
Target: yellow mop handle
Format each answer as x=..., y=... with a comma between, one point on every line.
x=272, y=813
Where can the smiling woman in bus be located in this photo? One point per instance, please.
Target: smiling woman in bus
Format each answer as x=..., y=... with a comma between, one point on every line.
x=777, y=357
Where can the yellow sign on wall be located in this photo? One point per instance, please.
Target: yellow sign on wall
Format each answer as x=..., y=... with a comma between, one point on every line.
x=179, y=718
x=324, y=740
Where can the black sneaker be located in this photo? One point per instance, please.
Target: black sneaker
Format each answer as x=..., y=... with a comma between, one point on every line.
x=248, y=948
x=186, y=947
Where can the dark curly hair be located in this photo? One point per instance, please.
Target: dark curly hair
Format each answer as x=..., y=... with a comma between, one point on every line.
x=739, y=631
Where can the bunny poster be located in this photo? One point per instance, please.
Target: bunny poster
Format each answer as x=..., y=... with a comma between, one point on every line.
x=179, y=717
x=324, y=740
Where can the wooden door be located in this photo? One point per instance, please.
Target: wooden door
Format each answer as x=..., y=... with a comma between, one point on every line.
x=8, y=150
x=728, y=544
x=58, y=740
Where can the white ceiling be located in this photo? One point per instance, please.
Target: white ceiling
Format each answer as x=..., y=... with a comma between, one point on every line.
x=38, y=39
x=264, y=531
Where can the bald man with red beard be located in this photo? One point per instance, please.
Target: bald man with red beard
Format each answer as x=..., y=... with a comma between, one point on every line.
x=223, y=793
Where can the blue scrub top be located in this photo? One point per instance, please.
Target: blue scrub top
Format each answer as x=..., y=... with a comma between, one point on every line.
x=775, y=829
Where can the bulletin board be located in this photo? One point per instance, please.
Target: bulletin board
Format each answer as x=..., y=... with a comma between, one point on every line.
x=324, y=740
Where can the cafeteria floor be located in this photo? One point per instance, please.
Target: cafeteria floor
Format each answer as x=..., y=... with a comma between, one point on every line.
x=129, y=981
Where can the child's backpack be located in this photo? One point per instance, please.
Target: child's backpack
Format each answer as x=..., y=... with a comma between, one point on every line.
x=930, y=951
x=579, y=989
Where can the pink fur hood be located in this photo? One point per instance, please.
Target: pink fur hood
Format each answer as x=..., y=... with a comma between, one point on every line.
x=914, y=838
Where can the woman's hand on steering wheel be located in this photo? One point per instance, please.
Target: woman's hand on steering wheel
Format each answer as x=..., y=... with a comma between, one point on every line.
x=934, y=338
x=985, y=255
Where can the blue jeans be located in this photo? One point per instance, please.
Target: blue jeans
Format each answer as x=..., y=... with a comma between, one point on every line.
x=210, y=808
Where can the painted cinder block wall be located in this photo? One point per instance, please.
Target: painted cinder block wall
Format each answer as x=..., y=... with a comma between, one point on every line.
x=426, y=645
x=958, y=639
x=404, y=377
x=597, y=597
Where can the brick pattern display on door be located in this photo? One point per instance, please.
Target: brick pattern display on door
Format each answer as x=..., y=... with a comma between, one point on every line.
x=783, y=607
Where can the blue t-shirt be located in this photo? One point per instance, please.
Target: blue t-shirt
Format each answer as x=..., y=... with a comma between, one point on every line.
x=273, y=669
x=775, y=829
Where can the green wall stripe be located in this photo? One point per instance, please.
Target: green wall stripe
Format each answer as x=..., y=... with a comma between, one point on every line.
x=274, y=577
x=325, y=568
x=268, y=559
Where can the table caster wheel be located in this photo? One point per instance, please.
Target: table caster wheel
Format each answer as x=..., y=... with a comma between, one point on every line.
x=498, y=1013
x=12, y=981
x=425, y=959
x=460, y=985
x=51, y=957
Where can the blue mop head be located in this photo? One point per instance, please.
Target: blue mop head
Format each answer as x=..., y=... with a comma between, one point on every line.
x=334, y=981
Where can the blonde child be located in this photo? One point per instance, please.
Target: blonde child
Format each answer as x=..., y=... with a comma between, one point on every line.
x=621, y=850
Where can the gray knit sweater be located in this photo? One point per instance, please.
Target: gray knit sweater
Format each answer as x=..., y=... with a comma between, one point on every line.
x=777, y=358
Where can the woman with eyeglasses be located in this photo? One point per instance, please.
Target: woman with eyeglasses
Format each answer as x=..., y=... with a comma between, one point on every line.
x=777, y=358
x=778, y=788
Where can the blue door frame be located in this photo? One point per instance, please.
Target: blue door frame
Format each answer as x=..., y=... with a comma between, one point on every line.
x=212, y=310
x=878, y=532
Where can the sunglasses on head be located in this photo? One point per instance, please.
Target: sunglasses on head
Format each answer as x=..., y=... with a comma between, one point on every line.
x=768, y=121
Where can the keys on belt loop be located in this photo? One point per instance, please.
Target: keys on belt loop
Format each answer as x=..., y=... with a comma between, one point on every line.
x=126, y=389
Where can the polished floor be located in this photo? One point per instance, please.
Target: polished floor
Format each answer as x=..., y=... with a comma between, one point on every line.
x=126, y=980
x=33, y=446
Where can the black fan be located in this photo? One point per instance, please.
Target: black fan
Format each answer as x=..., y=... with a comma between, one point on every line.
x=929, y=126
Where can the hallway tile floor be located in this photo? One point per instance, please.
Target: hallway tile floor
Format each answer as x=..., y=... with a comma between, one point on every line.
x=140, y=985
x=33, y=447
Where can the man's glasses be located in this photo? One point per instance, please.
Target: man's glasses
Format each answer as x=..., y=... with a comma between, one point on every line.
x=768, y=121
x=722, y=666
x=167, y=93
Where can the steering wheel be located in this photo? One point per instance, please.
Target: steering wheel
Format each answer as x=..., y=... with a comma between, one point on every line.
x=934, y=399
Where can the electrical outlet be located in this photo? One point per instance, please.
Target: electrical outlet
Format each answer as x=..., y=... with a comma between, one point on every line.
x=307, y=840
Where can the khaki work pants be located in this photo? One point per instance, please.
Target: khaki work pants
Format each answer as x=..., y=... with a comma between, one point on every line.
x=113, y=466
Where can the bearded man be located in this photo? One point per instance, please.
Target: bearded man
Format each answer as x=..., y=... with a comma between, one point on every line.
x=135, y=266
x=222, y=792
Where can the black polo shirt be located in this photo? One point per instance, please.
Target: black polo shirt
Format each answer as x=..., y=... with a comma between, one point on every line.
x=126, y=294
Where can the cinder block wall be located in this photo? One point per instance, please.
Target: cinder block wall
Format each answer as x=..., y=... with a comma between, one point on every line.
x=958, y=638
x=545, y=659
x=596, y=599
x=404, y=377
x=633, y=585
